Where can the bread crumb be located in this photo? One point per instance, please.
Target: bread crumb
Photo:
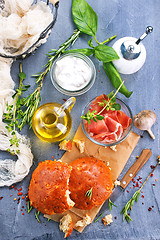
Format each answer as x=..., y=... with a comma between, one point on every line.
x=66, y=145
x=107, y=219
x=84, y=222
x=114, y=148
x=66, y=225
x=80, y=145
x=117, y=183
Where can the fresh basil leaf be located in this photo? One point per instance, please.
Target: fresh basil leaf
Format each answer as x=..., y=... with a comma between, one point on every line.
x=84, y=17
x=99, y=117
x=85, y=51
x=90, y=43
x=115, y=78
x=22, y=75
x=105, y=53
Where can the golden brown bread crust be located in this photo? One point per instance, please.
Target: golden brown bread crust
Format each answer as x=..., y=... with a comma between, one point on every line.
x=89, y=173
x=48, y=186
x=69, y=230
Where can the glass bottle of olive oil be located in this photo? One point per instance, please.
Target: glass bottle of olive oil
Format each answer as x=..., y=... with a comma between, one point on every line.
x=52, y=121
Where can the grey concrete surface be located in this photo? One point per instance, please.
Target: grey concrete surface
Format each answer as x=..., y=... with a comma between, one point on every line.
x=124, y=18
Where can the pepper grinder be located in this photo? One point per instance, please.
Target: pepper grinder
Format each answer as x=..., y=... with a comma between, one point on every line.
x=132, y=53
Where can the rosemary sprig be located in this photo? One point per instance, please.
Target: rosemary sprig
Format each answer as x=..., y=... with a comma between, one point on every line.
x=37, y=216
x=14, y=113
x=110, y=204
x=53, y=54
x=98, y=218
x=89, y=193
x=135, y=197
x=109, y=104
x=29, y=207
x=33, y=100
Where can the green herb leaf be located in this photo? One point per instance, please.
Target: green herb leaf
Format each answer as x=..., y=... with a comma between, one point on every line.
x=94, y=119
x=129, y=205
x=85, y=51
x=116, y=106
x=137, y=197
x=105, y=53
x=113, y=99
x=115, y=78
x=84, y=17
x=37, y=216
x=128, y=218
x=29, y=207
x=101, y=104
x=89, y=193
x=98, y=218
x=99, y=117
x=110, y=95
x=22, y=75
x=110, y=204
x=90, y=43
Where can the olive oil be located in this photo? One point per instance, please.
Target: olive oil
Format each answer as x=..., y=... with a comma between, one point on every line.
x=52, y=121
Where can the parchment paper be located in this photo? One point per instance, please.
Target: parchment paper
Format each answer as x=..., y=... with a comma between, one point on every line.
x=115, y=159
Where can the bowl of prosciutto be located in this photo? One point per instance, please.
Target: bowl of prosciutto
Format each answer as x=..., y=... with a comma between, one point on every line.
x=107, y=120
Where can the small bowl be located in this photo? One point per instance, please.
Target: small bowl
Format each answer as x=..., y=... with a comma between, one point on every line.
x=82, y=90
x=124, y=108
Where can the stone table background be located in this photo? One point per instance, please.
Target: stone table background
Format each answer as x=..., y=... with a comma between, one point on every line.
x=124, y=18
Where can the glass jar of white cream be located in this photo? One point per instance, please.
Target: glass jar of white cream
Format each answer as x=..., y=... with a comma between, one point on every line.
x=73, y=74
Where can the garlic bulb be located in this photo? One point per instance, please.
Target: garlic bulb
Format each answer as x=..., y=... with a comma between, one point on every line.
x=144, y=121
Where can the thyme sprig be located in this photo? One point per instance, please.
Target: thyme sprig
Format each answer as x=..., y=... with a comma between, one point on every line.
x=31, y=104
x=14, y=113
x=89, y=193
x=135, y=197
x=109, y=104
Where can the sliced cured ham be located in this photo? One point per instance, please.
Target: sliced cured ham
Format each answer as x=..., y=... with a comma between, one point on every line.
x=112, y=127
x=95, y=104
x=123, y=119
x=97, y=127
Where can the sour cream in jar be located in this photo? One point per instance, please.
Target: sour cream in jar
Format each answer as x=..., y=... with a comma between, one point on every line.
x=73, y=74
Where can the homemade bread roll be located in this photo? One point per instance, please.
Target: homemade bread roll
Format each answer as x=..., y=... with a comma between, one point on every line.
x=90, y=182
x=48, y=190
